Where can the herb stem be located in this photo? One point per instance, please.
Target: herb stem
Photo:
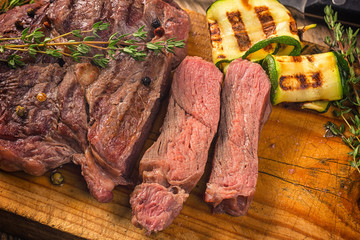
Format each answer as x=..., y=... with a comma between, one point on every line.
x=133, y=45
x=17, y=49
x=53, y=44
x=94, y=46
x=8, y=39
x=67, y=34
x=347, y=123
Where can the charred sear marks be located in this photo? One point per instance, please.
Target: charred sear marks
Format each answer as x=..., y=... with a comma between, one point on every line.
x=269, y=48
x=292, y=23
x=301, y=81
x=266, y=20
x=239, y=29
x=297, y=59
x=310, y=58
x=215, y=35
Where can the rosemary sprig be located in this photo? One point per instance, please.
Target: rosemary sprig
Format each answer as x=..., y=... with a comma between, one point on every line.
x=133, y=44
x=344, y=42
x=7, y=5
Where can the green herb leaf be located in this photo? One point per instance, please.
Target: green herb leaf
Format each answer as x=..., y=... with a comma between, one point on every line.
x=54, y=52
x=77, y=33
x=100, y=60
x=84, y=49
x=24, y=33
x=344, y=42
x=14, y=61
x=32, y=50
x=104, y=26
x=140, y=33
x=89, y=38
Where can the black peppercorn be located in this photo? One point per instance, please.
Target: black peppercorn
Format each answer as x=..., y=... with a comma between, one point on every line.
x=31, y=12
x=19, y=25
x=156, y=23
x=146, y=81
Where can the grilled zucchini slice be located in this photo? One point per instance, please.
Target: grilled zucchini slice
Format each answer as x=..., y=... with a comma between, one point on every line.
x=307, y=78
x=319, y=106
x=250, y=29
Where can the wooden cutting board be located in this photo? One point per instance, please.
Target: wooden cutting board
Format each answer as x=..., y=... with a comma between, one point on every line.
x=305, y=189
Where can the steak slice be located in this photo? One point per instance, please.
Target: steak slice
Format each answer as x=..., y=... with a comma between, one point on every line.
x=245, y=107
x=99, y=118
x=173, y=165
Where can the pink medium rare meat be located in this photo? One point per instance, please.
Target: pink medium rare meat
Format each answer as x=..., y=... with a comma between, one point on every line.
x=245, y=107
x=173, y=165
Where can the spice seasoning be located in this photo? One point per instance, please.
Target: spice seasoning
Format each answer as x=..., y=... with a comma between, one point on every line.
x=41, y=97
x=20, y=111
x=159, y=32
x=56, y=178
x=146, y=81
x=156, y=23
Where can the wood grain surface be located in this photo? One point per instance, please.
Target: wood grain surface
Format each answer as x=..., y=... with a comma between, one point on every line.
x=306, y=189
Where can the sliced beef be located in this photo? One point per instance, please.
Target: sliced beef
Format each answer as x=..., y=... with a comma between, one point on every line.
x=173, y=165
x=100, y=118
x=245, y=107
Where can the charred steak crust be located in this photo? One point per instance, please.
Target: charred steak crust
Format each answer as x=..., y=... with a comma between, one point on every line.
x=99, y=118
x=245, y=107
x=173, y=165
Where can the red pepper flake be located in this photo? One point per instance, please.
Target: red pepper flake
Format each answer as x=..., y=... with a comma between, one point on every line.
x=47, y=24
x=41, y=97
x=159, y=32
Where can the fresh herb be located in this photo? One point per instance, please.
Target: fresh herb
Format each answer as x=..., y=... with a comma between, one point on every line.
x=133, y=44
x=7, y=5
x=15, y=61
x=344, y=42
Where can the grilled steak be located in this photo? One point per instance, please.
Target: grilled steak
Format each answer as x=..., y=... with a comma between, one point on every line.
x=173, y=165
x=245, y=107
x=99, y=118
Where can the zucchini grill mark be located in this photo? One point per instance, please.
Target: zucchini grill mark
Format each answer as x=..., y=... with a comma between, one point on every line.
x=215, y=35
x=293, y=27
x=300, y=81
x=310, y=58
x=240, y=33
x=266, y=20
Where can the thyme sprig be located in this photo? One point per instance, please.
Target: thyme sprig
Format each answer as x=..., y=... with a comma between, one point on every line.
x=7, y=5
x=344, y=42
x=133, y=44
